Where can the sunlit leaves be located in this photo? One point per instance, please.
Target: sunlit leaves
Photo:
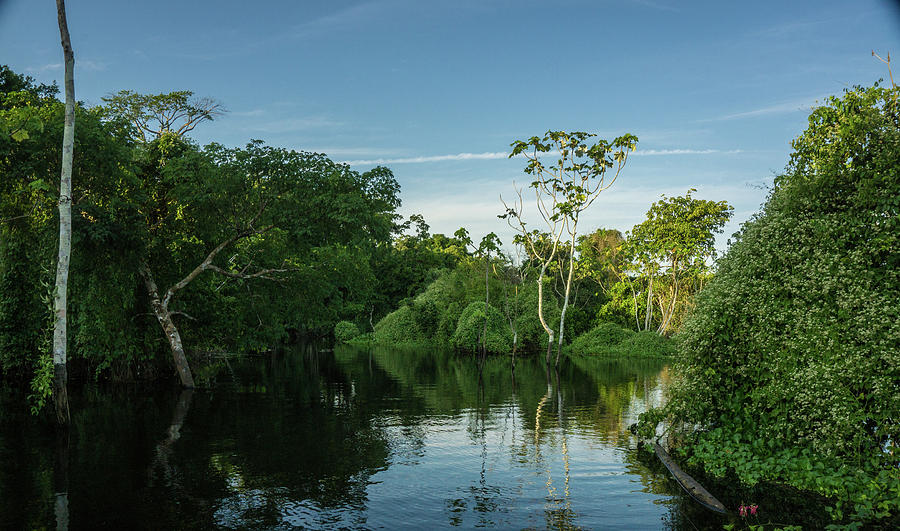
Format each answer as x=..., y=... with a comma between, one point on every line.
x=796, y=340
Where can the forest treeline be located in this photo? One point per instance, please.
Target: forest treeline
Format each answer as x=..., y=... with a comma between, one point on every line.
x=236, y=249
x=181, y=249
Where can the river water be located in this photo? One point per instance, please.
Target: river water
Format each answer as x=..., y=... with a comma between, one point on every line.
x=355, y=438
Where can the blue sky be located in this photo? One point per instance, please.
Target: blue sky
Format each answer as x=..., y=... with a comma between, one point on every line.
x=438, y=90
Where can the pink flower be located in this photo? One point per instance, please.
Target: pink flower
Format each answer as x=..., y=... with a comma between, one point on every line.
x=743, y=510
x=753, y=509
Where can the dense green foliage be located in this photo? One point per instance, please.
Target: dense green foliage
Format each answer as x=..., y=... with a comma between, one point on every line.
x=789, y=366
x=254, y=246
x=666, y=258
x=435, y=315
x=599, y=339
x=398, y=328
x=345, y=331
x=611, y=340
x=484, y=327
x=306, y=242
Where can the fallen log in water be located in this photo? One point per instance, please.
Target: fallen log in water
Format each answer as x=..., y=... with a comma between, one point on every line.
x=689, y=484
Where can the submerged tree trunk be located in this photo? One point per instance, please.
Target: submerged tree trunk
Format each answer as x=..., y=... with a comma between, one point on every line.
x=60, y=393
x=61, y=481
x=164, y=316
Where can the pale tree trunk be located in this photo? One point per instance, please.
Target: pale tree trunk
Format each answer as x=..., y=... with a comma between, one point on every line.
x=161, y=311
x=547, y=329
x=667, y=316
x=487, y=261
x=61, y=397
x=562, y=315
x=649, y=312
x=511, y=314
x=637, y=322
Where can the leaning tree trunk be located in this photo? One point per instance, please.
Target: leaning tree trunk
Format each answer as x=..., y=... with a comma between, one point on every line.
x=164, y=316
x=60, y=393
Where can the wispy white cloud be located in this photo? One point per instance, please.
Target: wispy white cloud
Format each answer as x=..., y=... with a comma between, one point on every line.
x=356, y=151
x=86, y=64
x=659, y=152
x=491, y=155
x=655, y=5
x=495, y=155
x=343, y=19
x=295, y=124
x=779, y=108
x=254, y=112
x=621, y=207
x=50, y=66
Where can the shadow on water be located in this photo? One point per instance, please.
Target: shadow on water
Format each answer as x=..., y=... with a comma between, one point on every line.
x=359, y=438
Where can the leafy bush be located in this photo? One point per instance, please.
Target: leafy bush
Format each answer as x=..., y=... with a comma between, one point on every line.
x=790, y=362
x=399, y=326
x=345, y=331
x=471, y=327
x=645, y=344
x=445, y=295
x=610, y=339
x=599, y=340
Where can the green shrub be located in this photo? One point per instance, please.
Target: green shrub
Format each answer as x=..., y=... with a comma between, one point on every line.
x=796, y=340
x=345, y=331
x=610, y=339
x=399, y=326
x=364, y=339
x=430, y=308
x=599, y=340
x=471, y=327
x=447, y=324
x=645, y=344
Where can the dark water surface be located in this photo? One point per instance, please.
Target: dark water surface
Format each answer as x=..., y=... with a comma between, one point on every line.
x=350, y=439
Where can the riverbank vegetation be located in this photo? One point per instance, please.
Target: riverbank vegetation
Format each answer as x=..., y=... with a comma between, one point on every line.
x=788, y=347
x=220, y=249
x=180, y=249
x=788, y=368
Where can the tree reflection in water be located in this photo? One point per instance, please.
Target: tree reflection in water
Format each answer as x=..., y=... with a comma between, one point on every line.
x=354, y=438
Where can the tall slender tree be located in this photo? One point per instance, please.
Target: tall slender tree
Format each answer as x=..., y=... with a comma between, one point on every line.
x=564, y=190
x=61, y=397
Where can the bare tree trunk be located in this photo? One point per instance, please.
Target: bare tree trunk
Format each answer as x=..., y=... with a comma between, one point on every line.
x=487, y=261
x=161, y=311
x=637, y=322
x=60, y=393
x=649, y=313
x=562, y=315
x=671, y=310
x=547, y=329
